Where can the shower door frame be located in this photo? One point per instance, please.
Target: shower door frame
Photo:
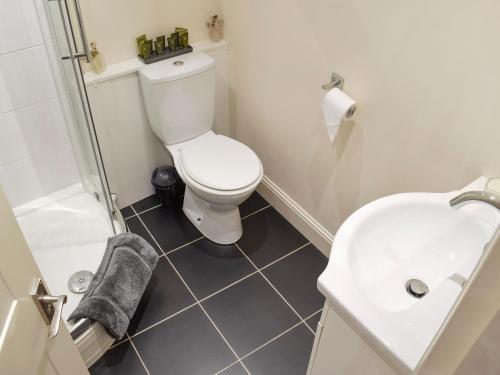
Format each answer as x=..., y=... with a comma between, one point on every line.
x=89, y=159
x=74, y=45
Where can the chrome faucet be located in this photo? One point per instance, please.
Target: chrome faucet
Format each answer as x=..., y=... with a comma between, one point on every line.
x=478, y=196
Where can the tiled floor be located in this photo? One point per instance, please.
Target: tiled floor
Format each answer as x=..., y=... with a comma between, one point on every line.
x=247, y=308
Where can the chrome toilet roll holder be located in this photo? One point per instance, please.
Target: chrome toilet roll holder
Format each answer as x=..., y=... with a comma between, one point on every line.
x=337, y=81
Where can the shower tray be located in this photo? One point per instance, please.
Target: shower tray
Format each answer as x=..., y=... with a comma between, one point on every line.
x=67, y=231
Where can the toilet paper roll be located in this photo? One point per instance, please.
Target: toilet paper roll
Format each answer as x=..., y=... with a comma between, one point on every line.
x=337, y=107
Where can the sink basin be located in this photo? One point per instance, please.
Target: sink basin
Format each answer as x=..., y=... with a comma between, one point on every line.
x=395, y=239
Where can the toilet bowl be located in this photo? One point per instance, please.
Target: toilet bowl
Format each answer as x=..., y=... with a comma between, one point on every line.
x=220, y=173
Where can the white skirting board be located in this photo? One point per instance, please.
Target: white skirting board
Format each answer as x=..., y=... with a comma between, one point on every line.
x=296, y=215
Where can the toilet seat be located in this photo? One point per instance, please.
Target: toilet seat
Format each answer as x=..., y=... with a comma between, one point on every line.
x=219, y=163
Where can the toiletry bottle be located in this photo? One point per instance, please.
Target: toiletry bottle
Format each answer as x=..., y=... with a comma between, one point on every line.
x=98, y=65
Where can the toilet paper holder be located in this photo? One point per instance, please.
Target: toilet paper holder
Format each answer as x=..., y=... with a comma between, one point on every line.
x=337, y=81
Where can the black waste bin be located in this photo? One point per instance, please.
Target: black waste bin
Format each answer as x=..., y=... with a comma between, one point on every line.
x=168, y=185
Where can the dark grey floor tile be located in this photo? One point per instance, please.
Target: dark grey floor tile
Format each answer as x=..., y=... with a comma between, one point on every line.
x=313, y=321
x=146, y=203
x=267, y=236
x=236, y=369
x=287, y=355
x=252, y=204
x=127, y=212
x=121, y=360
x=170, y=227
x=249, y=313
x=164, y=296
x=185, y=344
x=135, y=226
x=208, y=267
x=296, y=276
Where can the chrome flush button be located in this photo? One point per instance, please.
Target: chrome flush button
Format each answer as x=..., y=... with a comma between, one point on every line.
x=178, y=63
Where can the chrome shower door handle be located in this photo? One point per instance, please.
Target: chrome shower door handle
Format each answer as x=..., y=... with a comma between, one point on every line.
x=50, y=307
x=69, y=30
x=81, y=26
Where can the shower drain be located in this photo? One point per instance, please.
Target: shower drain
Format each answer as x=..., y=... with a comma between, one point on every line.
x=79, y=282
x=416, y=288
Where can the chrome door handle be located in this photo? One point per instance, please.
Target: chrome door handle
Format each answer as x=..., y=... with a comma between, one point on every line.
x=83, y=34
x=74, y=55
x=50, y=307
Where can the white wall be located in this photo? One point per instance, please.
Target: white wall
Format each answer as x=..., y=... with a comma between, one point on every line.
x=114, y=24
x=425, y=75
x=36, y=157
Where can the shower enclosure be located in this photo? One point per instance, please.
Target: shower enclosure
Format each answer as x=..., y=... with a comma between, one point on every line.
x=65, y=225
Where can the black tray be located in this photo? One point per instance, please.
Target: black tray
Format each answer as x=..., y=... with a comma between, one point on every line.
x=167, y=54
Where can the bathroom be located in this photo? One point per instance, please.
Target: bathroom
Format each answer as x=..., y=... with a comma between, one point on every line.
x=324, y=128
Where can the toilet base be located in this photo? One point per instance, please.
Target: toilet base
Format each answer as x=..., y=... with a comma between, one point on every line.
x=220, y=223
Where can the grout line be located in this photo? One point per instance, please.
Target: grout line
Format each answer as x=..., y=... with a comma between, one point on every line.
x=285, y=256
x=22, y=49
x=164, y=255
x=256, y=212
x=159, y=205
x=228, y=286
x=164, y=320
x=137, y=352
x=228, y=366
x=272, y=286
x=186, y=244
x=146, y=210
x=307, y=324
x=270, y=341
x=198, y=301
x=188, y=307
x=221, y=335
x=138, y=213
x=190, y=291
x=278, y=336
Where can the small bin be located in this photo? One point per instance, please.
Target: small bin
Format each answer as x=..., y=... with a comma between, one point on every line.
x=168, y=185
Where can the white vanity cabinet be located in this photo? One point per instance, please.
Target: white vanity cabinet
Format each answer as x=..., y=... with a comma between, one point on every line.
x=338, y=349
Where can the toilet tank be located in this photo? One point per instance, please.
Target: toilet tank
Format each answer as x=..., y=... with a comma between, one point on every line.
x=179, y=95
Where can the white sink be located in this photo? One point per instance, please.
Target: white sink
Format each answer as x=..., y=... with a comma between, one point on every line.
x=392, y=240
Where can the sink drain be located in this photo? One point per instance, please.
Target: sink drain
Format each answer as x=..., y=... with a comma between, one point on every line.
x=416, y=288
x=79, y=282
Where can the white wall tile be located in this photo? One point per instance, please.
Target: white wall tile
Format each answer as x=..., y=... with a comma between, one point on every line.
x=26, y=77
x=18, y=25
x=57, y=169
x=58, y=122
x=31, y=23
x=5, y=99
x=31, y=130
x=13, y=146
x=42, y=73
x=33, y=178
x=12, y=28
x=36, y=157
x=5, y=186
x=24, y=180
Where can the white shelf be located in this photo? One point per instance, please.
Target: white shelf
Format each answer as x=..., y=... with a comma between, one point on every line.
x=131, y=66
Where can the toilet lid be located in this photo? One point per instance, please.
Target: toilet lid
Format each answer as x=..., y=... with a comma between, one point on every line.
x=221, y=163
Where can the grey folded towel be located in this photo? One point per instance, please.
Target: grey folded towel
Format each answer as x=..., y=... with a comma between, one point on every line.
x=118, y=284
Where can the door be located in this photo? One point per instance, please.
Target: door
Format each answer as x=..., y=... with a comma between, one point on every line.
x=25, y=346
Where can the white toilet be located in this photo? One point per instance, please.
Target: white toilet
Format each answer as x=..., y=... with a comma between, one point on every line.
x=219, y=172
